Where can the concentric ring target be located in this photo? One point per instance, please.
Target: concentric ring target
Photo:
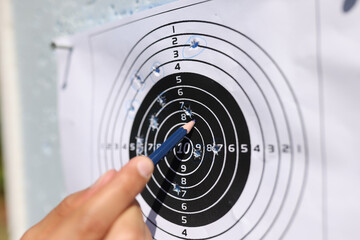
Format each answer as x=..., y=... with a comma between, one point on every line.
x=211, y=184
x=240, y=173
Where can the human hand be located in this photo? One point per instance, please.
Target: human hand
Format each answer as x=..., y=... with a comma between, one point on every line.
x=106, y=210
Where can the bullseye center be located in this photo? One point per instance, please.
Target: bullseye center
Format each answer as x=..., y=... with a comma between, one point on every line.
x=184, y=150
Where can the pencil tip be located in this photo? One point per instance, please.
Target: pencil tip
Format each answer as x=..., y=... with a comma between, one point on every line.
x=188, y=126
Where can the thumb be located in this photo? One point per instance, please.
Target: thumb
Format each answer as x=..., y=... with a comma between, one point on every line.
x=99, y=212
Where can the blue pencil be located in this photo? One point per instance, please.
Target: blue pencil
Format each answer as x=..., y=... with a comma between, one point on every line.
x=171, y=142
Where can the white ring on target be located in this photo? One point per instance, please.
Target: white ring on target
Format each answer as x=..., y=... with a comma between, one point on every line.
x=187, y=174
x=222, y=130
x=232, y=179
x=188, y=187
x=175, y=153
x=203, y=153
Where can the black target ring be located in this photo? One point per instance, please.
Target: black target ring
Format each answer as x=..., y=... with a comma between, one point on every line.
x=225, y=189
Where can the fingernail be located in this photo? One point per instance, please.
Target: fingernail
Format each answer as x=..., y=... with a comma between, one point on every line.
x=104, y=178
x=145, y=167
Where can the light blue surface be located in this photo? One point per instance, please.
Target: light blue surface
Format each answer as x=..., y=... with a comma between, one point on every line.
x=37, y=23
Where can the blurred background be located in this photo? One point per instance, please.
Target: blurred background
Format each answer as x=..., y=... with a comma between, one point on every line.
x=34, y=181
x=3, y=223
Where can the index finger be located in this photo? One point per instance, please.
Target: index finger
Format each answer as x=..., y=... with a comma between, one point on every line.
x=94, y=218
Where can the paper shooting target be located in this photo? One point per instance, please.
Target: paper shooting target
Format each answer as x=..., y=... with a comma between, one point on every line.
x=240, y=173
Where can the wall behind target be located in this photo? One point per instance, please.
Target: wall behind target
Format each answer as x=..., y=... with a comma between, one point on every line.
x=28, y=91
